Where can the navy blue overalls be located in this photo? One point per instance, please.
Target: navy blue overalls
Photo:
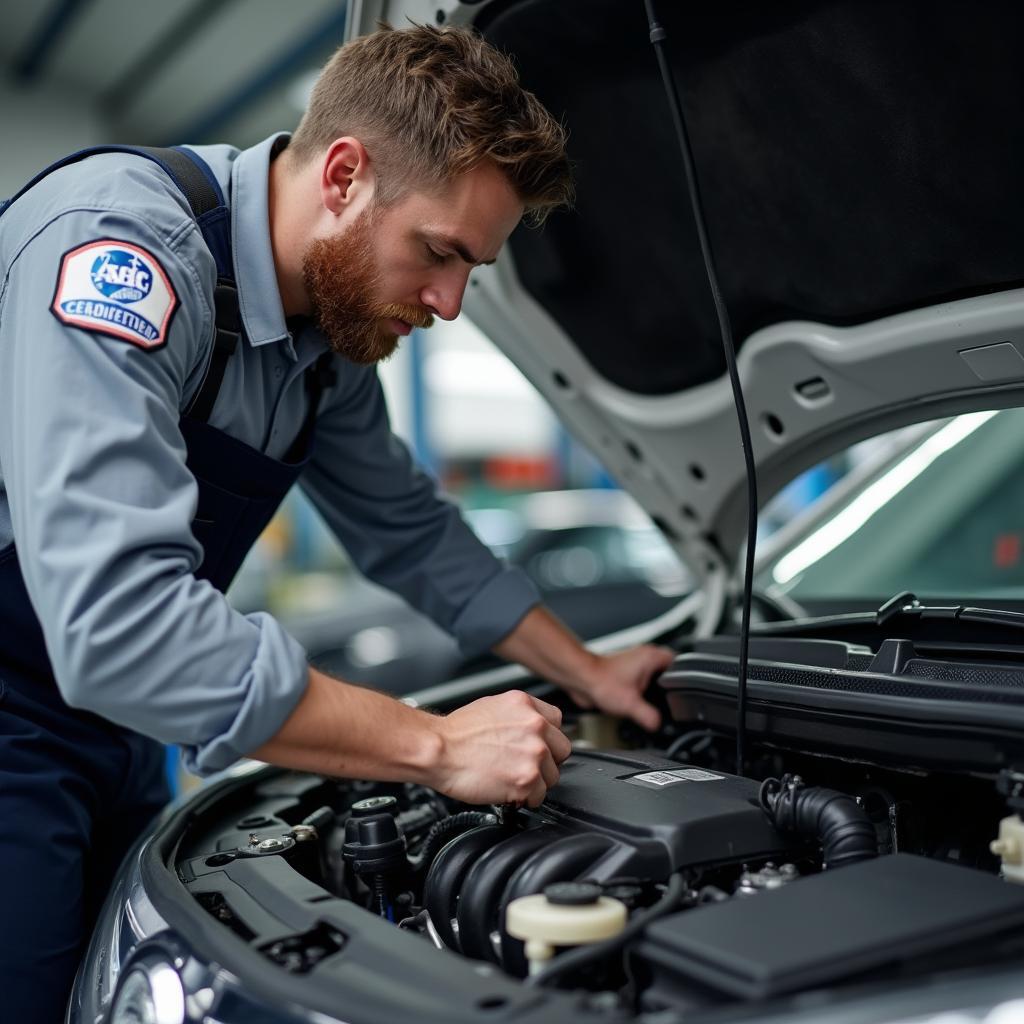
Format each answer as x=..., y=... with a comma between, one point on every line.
x=75, y=789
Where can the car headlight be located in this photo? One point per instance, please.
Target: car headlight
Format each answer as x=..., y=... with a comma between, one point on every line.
x=126, y=922
x=149, y=993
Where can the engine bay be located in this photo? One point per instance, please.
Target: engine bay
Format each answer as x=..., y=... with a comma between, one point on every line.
x=652, y=877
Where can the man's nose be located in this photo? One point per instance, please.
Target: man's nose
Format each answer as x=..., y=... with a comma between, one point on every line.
x=444, y=296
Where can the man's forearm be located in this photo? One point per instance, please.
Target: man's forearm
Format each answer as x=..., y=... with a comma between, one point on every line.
x=614, y=683
x=500, y=749
x=345, y=730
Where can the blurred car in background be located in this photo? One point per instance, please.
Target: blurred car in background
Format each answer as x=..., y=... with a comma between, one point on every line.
x=597, y=559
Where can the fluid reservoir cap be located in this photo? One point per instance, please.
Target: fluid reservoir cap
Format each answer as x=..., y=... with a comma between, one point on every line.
x=379, y=846
x=378, y=829
x=374, y=805
x=536, y=919
x=572, y=894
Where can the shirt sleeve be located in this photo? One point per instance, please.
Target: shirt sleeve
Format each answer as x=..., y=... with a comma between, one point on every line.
x=101, y=502
x=396, y=527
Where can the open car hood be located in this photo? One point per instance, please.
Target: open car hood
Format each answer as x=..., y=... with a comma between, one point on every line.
x=860, y=167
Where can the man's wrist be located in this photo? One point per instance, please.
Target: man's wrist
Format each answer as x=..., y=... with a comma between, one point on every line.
x=424, y=747
x=581, y=674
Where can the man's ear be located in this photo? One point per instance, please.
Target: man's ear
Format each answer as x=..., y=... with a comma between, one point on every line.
x=346, y=178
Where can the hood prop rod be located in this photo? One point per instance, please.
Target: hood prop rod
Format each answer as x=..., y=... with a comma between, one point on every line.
x=658, y=37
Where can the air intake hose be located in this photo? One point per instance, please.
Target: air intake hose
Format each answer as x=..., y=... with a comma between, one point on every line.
x=833, y=818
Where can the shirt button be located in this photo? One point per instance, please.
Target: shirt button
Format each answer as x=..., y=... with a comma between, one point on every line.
x=278, y=373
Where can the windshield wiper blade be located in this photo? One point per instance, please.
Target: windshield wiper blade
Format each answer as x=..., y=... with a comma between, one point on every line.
x=905, y=615
x=906, y=607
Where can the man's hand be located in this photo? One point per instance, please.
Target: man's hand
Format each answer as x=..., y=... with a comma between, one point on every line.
x=613, y=683
x=502, y=749
x=616, y=684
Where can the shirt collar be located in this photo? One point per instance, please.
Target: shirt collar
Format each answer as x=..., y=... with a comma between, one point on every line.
x=258, y=297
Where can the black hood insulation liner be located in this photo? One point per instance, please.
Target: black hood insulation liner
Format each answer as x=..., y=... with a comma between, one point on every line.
x=857, y=159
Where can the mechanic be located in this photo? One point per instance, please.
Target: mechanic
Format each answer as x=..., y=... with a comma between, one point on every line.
x=140, y=459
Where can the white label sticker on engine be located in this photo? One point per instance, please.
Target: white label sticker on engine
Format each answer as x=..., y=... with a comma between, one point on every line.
x=670, y=778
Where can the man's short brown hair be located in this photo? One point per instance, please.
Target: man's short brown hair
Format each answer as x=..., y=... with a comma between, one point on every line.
x=430, y=103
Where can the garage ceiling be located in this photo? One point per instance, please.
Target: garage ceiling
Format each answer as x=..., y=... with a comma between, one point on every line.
x=161, y=72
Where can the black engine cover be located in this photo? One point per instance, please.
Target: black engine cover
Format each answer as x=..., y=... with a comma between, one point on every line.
x=670, y=815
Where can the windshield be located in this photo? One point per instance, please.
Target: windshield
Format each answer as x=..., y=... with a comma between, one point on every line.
x=944, y=519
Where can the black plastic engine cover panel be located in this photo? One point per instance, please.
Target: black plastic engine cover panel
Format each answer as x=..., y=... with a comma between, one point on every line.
x=832, y=926
x=674, y=816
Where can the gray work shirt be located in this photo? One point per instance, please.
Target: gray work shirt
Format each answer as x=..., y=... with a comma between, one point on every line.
x=96, y=495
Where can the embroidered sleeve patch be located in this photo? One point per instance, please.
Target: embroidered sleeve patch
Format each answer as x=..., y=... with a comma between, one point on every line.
x=115, y=288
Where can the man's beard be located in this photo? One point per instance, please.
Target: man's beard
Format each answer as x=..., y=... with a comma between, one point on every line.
x=341, y=277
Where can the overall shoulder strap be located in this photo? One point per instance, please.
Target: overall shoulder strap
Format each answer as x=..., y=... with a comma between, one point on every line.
x=198, y=184
x=189, y=172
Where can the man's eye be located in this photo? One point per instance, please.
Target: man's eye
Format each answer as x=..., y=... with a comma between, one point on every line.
x=434, y=256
